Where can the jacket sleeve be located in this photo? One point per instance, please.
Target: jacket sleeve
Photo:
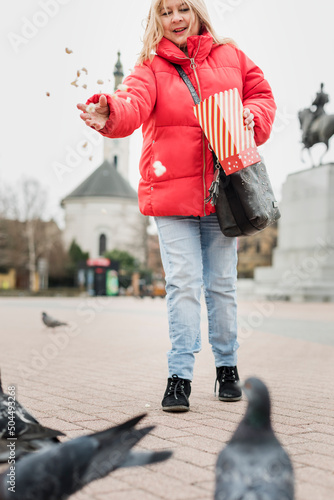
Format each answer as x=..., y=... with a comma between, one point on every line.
x=130, y=108
x=258, y=97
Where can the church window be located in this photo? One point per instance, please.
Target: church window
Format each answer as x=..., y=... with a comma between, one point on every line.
x=116, y=161
x=102, y=244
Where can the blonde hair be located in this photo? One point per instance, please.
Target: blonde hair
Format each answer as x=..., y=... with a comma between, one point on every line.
x=154, y=31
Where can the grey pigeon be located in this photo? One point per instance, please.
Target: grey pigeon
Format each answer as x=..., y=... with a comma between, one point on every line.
x=25, y=429
x=51, y=322
x=254, y=465
x=60, y=471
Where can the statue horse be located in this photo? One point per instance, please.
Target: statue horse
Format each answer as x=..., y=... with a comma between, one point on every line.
x=315, y=130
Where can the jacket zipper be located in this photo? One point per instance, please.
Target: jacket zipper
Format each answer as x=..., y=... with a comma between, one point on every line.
x=193, y=66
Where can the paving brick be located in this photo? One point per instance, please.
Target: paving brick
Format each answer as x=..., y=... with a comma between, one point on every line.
x=71, y=415
x=94, y=425
x=209, y=432
x=162, y=484
x=200, y=443
x=308, y=491
x=61, y=425
x=208, y=486
x=192, y=472
x=321, y=437
x=313, y=447
x=136, y=494
x=169, y=433
x=200, y=458
x=316, y=476
x=323, y=462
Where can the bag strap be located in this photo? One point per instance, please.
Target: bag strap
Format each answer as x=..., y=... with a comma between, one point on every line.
x=214, y=188
x=186, y=80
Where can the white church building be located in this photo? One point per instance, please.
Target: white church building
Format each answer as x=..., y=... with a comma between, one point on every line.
x=102, y=213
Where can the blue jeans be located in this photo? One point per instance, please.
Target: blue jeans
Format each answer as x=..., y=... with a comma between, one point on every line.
x=194, y=252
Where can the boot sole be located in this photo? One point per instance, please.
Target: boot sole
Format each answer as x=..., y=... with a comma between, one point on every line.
x=221, y=398
x=175, y=408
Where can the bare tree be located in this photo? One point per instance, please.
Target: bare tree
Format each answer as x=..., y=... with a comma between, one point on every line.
x=33, y=204
x=23, y=234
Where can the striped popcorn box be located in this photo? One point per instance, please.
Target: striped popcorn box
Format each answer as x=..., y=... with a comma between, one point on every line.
x=220, y=117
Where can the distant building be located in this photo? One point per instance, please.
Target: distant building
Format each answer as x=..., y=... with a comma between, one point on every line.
x=256, y=251
x=102, y=213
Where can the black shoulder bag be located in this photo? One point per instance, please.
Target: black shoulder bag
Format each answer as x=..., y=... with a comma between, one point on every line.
x=245, y=202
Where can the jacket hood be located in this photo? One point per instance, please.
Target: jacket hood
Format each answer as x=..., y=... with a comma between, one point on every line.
x=199, y=47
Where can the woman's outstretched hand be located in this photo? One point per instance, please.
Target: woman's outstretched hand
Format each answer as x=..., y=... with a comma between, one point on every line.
x=248, y=119
x=95, y=115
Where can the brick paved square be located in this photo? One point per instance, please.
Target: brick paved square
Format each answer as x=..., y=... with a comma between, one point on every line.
x=112, y=366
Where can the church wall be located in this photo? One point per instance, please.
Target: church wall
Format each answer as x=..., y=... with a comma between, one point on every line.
x=120, y=221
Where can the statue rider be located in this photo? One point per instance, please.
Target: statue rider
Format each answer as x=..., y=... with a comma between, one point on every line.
x=321, y=99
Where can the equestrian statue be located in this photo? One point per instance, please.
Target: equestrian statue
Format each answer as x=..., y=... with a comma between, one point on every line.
x=316, y=125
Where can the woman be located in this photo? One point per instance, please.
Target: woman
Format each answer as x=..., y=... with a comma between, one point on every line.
x=176, y=169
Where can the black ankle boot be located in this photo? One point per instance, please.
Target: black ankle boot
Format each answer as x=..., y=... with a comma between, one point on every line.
x=176, y=397
x=228, y=379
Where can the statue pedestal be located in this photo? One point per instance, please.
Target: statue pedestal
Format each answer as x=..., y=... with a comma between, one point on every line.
x=303, y=261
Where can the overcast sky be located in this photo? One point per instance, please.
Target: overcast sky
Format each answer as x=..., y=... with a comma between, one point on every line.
x=291, y=40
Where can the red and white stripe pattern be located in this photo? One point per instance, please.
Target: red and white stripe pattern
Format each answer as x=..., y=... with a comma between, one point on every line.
x=221, y=118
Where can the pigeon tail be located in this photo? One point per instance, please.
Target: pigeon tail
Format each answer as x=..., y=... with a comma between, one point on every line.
x=145, y=458
x=121, y=427
x=112, y=450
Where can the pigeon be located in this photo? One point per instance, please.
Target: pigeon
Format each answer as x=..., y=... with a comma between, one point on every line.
x=51, y=322
x=17, y=423
x=22, y=447
x=254, y=465
x=60, y=471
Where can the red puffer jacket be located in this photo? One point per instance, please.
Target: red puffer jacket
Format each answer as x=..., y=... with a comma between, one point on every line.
x=161, y=102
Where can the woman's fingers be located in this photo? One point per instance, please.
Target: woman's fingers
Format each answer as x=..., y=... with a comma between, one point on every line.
x=103, y=101
x=81, y=106
x=94, y=124
x=85, y=116
x=248, y=118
